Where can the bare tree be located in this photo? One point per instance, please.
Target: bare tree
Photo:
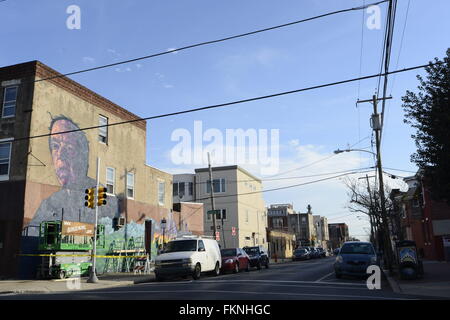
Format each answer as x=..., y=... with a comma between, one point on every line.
x=364, y=198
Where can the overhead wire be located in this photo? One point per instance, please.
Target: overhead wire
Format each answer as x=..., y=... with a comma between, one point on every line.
x=226, y=104
x=213, y=41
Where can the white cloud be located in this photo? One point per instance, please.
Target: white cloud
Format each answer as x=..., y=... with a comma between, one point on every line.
x=88, y=60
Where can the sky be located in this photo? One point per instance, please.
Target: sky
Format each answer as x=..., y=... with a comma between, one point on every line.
x=311, y=125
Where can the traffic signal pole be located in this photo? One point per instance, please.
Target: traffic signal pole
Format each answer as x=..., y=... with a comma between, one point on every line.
x=93, y=275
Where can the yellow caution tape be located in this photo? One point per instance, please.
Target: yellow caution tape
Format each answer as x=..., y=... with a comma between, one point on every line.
x=80, y=255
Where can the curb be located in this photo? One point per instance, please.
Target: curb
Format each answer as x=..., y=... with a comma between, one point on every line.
x=144, y=280
x=392, y=282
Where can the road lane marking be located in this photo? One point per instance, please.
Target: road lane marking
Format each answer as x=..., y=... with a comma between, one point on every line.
x=282, y=281
x=324, y=277
x=355, y=297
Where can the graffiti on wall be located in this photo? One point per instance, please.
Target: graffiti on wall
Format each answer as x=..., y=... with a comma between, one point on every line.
x=70, y=159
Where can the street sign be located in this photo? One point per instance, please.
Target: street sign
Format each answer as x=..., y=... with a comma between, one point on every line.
x=233, y=231
x=217, y=235
x=213, y=211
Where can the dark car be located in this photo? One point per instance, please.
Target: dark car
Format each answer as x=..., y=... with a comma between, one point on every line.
x=258, y=257
x=354, y=258
x=301, y=254
x=314, y=253
x=322, y=252
x=234, y=259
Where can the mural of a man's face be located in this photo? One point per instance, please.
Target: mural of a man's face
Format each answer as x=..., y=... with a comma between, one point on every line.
x=69, y=152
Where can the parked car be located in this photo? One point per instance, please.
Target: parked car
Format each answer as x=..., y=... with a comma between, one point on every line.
x=188, y=256
x=322, y=252
x=301, y=254
x=235, y=259
x=258, y=257
x=314, y=253
x=354, y=258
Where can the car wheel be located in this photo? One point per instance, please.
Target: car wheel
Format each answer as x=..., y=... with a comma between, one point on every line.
x=197, y=272
x=338, y=275
x=62, y=274
x=236, y=268
x=248, y=266
x=158, y=278
x=217, y=269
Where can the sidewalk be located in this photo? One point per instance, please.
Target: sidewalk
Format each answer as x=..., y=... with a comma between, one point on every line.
x=56, y=285
x=272, y=261
x=435, y=281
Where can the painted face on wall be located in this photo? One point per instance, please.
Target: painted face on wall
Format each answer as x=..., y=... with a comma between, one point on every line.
x=69, y=152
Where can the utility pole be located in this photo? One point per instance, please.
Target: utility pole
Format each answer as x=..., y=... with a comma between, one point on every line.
x=211, y=192
x=376, y=126
x=93, y=276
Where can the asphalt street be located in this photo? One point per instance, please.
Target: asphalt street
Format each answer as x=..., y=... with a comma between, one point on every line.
x=312, y=279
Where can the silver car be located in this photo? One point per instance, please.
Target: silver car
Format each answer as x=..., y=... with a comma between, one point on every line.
x=354, y=258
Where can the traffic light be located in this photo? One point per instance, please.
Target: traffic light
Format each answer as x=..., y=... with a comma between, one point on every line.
x=101, y=196
x=90, y=202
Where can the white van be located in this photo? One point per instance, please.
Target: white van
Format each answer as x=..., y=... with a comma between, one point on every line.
x=189, y=255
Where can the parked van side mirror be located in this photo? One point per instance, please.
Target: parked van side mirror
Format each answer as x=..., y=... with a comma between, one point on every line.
x=201, y=249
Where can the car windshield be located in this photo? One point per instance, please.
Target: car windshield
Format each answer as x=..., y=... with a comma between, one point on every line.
x=357, y=248
x=300, y=251
x=228, y=252
x=252, y=250
x=183, y=245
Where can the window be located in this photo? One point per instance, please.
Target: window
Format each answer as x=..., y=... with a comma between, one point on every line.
x=110, y=179
x=190, y=188
x=9, y=102
x=130, y=185
x=219, y=185
x=103, y=131
x=223, y=212
x=5, y=157
x=161, y=192
x=181, y=189
x=175, y=189
x=201, y=245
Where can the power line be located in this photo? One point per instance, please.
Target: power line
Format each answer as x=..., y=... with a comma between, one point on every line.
x=401, y=44
x=270, y=190
x=287, y=178
x=214, y=41
x=315, y=162
x=221, y=105
x=400, y=170
x=282, y=188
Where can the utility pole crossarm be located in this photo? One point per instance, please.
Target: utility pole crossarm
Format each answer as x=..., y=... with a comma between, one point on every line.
x=371, y=100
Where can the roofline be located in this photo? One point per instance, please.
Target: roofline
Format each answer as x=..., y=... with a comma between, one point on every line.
x=40, y=71
x=233, y=167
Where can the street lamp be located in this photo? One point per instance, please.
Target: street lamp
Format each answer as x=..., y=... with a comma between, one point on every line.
x=163, y=226
x=348, y=150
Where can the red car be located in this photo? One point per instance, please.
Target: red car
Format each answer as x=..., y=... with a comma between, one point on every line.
x=235, y=259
